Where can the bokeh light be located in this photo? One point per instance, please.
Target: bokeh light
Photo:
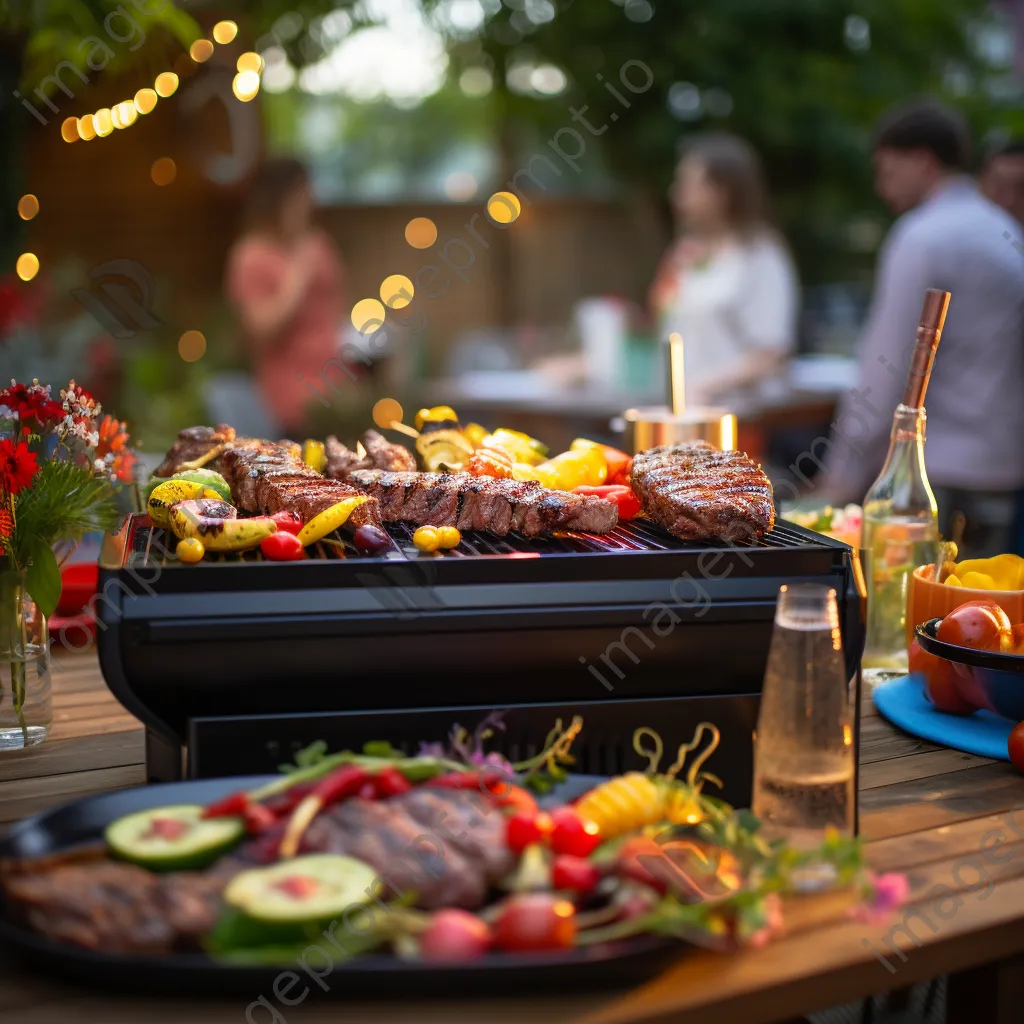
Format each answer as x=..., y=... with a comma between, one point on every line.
x=163, y=171
x=69, y=130
x=146, y=101
x=87, y=127
x=421, y=232
x=166, y=84
x=246, y=85
x=367, y=315
x=386, y=412
x=224, y=32
x=250, y=62
x=201, y=50
x=192, y=346
x=28, y=207
x=104, y=122
x=27, y=266
x=460, y=186
x=504, y=207
x=397, y=291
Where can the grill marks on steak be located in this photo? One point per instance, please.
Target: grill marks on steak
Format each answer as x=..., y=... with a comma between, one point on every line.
x=266, y=478
x=115, y=907
x=443, y=846
x=483, y=503
x=193, y=443
x=700, y=493
x=380, y=454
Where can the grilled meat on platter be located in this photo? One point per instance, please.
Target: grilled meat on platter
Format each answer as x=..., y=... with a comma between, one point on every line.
x=700, y=493
x=193, y=445
x=483, y=503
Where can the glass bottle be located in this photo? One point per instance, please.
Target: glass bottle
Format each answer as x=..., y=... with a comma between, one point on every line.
x=804, y=770
x=901, y=521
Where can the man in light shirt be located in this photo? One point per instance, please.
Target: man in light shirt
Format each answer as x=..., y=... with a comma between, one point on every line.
x=949, y=236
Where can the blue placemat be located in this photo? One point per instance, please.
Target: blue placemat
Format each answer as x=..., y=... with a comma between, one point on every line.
x=903, y=703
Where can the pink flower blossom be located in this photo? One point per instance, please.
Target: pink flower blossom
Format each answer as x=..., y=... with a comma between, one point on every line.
x=888, y=893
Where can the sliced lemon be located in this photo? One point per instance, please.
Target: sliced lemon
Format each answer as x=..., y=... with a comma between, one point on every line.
x=329, y=520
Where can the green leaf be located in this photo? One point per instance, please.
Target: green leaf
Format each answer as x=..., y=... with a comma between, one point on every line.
x=381, y=748
x=42, y=580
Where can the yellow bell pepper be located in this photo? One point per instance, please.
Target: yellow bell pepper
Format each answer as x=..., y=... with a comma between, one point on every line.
x=570, y=470
x=439, y=414
x=475, y=434
x=521, y=471
x=1003, y=572
x=521, y=446
x=952, y=580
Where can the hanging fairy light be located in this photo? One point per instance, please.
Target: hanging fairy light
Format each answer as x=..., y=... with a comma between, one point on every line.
x=224, y=32
x=246, y=85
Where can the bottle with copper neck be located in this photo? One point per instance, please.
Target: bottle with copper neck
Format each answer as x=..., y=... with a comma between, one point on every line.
x=901, y=521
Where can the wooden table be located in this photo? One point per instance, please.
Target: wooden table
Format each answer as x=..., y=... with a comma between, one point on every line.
x=936, y=814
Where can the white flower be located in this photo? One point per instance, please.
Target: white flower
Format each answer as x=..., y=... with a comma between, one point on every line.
x=99, y=466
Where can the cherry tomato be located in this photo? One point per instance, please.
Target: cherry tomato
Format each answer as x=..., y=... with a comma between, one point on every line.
x=287, y=522
x=572, y=834
x=535, y=921
x=190, y=551
x=940, y=681
x=517, y=799
x=1016, y=747
x=574, y=873
x=982, y=625
x=455, y=935
x=282, y=547
x=427, y=539
x=523, y=830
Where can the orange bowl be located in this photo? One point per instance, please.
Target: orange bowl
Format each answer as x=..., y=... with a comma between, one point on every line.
x=930, y=600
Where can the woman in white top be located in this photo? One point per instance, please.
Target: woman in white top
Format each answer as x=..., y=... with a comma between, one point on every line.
x=728, y=285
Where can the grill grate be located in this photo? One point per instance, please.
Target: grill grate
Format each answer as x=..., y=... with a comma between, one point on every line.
x=151, y=546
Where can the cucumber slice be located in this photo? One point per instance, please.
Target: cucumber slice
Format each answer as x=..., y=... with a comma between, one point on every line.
x=173, y=838
x=313, y=888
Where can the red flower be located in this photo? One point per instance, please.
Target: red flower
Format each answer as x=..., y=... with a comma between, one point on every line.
x=32, y=404
x=17, y=466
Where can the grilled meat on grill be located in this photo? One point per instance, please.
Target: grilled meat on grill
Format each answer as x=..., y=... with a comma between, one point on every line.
x=700, y=493
x=380, y=454
x=266, y=478
x=193, y=443
x=443, y=846
x=483, y=503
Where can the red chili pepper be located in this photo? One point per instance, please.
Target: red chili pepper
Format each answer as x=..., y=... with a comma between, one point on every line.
x=258, y=819
x=229, y=807
x=629, y=505
x=341, y=783
x=389, y=781
x=456, y=780
x=283, y=805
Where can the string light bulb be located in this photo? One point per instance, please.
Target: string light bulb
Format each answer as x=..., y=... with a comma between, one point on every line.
x=246, y=85
x=224, y=32
x=69, y=130
x=421, y=232
x=166, y=84
x=28, y=207
x=250, y=62
x=104, y=122
x=87, y=128
x=397, y=291
x=146, y=101
x=201, y=51
x=27, y=266
x=367, y=315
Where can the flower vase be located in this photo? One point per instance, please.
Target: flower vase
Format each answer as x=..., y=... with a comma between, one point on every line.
x=26, y=705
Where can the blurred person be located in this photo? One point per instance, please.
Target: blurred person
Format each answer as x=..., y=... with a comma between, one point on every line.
x=728, y=284
x=949, y=236
x=1002, y=178
x=285, y=279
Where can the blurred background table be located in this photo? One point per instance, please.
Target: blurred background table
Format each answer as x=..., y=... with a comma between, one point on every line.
x=925, y=810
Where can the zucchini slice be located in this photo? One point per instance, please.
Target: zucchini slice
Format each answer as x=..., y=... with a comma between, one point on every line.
x=173, y=838
x=313, y=888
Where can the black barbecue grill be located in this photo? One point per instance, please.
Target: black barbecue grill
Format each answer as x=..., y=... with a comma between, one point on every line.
x=239, y=662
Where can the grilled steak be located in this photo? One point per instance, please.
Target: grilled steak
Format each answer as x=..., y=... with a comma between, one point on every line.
x=483, y=503
x=193, y=443
x=700, y=493
x=266, y=478
x=380, y=454
x=115, y=907
x=442, y=846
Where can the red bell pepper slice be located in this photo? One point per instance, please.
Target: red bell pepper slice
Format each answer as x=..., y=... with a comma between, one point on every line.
x=229, y=807
x=629, y=505
x=258, y=819
x=341, y=783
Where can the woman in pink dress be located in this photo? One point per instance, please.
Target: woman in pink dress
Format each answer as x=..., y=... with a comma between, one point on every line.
x=285, y=280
